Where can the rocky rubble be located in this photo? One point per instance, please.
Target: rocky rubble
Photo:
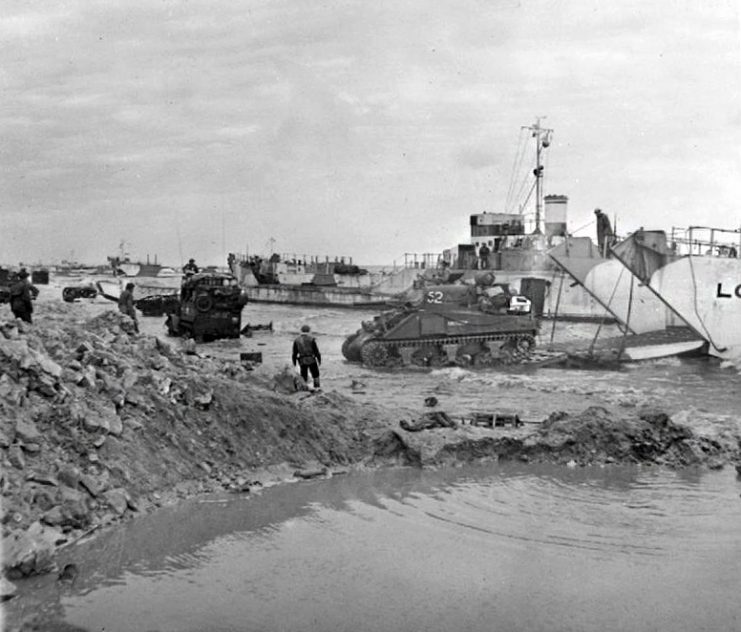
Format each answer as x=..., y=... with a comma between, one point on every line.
x=98, y=423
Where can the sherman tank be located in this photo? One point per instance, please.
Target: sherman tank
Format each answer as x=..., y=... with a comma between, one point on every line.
x=461, y=324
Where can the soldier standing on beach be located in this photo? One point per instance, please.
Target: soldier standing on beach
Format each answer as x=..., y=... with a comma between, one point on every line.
x=126, y=304
x=306, y=352
x=22, y=293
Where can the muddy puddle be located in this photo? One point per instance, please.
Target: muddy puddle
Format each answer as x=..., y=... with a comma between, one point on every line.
x=475, y=548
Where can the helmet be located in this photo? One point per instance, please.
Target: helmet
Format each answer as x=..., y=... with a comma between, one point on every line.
x=305, y=328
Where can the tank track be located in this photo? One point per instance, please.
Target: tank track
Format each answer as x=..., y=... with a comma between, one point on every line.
x=514, y=348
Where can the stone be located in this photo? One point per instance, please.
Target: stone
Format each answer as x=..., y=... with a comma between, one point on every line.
x=42, y=478
x=27, y=431
x=76, y=514
x=45, y=385
x=189, y=347
x=91, y=484
x=133, y=424
x=53, y=516
x=88, y=377
x=71, y=495
x=115, y=425
x=204, y=400
x=8, y=589
x=10, y=331
x=84, y=348
x=15, y=456
x=44, y=498
x=69, y=475
x=48, y=365
x=95, y=423
x=4, y=440
x=29, y=552
x=129, y=379
x=72, y=376
x=10, y=391
x=117, y=499
x=111, y=447
x=32, y=448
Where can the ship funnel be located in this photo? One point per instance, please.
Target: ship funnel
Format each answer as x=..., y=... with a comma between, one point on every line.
x=556, y=214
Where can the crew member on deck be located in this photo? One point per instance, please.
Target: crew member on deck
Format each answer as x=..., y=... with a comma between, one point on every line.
x=484, y=256
x=604, y=232
x=306, y=352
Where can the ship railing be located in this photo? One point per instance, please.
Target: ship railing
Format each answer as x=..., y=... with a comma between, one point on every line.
x=706, y=241
x=420, y=261
x=296, y=259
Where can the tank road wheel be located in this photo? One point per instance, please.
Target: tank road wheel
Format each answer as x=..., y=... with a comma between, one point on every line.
x=429, y=356
x=525, y=344
x=375, y=354
x=517, y=348
x=439, y=358
x=468, y=354
x=346, y=346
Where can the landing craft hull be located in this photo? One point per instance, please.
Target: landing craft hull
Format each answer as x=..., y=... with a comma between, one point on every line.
x=112, y=288
x=317, y=296
x=317, y=284
x=609, y=282
x=704, y=291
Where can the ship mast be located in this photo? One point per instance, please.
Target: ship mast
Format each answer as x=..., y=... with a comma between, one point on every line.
x=542, y=137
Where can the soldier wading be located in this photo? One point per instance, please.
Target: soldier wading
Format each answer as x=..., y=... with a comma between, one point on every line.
x=307, y=354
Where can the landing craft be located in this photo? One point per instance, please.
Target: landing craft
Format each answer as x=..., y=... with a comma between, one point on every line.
x=696, y=276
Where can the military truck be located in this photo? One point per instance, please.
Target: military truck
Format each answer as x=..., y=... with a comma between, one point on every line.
x=210, y=307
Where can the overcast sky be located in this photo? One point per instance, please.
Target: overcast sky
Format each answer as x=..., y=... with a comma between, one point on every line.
x=367, y=128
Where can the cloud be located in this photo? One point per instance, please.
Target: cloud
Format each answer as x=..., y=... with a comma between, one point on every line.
x=378, y=125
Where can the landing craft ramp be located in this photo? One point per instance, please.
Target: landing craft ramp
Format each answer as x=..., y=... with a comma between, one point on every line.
x=612, y=285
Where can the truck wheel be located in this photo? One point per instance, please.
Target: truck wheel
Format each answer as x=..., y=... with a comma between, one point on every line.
x=204, y=303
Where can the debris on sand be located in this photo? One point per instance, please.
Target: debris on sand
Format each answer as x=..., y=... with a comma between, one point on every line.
x=599, y=436
x=436, y=419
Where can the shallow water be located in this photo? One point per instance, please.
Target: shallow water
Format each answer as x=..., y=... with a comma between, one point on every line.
x=698, y=389
x=475, y=548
